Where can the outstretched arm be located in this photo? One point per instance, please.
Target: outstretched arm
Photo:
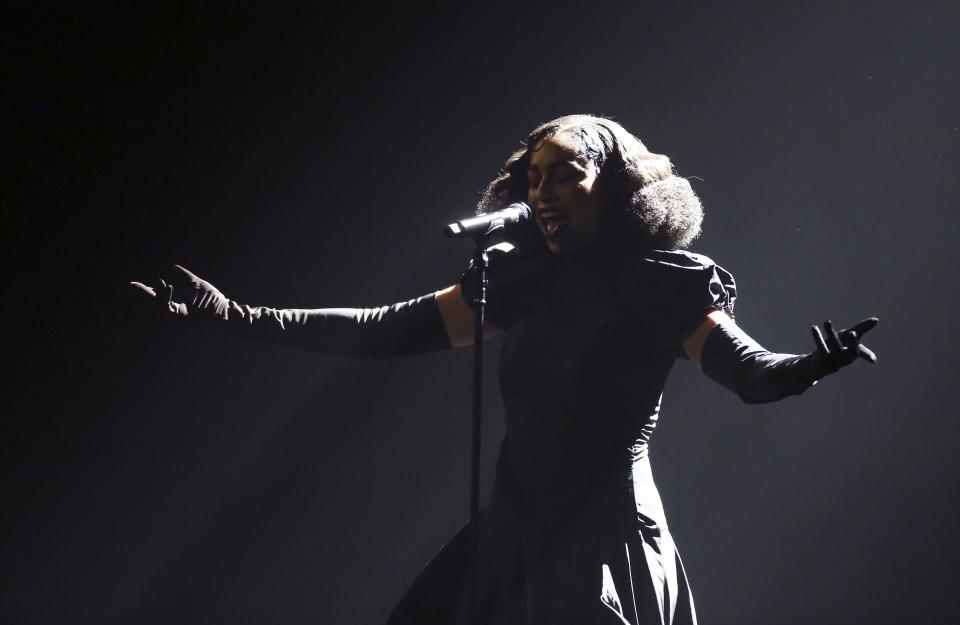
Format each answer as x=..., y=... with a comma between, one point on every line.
x=428, y=323
x=733, y=359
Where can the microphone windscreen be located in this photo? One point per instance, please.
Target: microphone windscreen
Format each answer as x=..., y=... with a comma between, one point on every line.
x=523, y=210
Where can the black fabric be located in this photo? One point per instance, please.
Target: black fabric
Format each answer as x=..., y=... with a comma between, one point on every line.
x=575, y=524
x=598, y=567
x=402, y=329
x=671, y=289
x=676, y=289
x=733, y=359
x=509, y=275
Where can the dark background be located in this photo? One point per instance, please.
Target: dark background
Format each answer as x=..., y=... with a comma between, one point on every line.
x=157, y=472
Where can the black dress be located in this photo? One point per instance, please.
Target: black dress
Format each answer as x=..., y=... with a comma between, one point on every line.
x=575, y=531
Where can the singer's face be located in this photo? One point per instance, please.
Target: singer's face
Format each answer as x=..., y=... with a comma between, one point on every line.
x=564, y=195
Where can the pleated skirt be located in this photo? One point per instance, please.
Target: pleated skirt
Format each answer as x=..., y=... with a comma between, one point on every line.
x=607, y=560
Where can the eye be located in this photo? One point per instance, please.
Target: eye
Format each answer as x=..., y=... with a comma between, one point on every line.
x=533, y=181
x=569, y=175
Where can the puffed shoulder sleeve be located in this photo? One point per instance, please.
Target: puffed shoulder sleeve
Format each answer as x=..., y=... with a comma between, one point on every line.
x=677, y=289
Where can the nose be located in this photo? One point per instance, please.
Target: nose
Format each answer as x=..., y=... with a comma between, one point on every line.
x=544, y=190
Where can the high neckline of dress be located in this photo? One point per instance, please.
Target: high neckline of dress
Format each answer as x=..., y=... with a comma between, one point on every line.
x=595, y=257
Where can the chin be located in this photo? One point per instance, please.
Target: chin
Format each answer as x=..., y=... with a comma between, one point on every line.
x=558, y=247
x=566, y=244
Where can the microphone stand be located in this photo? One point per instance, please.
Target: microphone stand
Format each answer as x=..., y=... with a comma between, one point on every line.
x=481, y=262
x=480, y=229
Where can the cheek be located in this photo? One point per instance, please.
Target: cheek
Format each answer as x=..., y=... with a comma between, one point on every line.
x=588, y=203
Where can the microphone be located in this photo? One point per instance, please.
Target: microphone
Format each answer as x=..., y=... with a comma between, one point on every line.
x=488, y=223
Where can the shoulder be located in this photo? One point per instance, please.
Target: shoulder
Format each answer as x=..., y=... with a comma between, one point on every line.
x=675, y=290
x=670, y=260
x=679, y=281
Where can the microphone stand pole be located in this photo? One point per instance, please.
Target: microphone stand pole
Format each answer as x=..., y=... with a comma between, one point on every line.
x=491, y=224
x=480, y=266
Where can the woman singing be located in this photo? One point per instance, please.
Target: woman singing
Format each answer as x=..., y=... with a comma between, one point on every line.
x=595, y=306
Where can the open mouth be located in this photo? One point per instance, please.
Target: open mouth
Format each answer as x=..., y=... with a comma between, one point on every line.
x=553, y=222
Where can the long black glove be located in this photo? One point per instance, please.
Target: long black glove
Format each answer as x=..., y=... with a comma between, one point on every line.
x=404, y=328
x=739, y=363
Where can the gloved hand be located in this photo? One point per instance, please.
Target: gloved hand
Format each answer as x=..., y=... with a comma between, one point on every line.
x=186, y=294
x=838, y=349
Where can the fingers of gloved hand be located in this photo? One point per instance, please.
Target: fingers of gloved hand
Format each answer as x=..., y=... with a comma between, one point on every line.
x=184, y=275
x=862, y=327
x=145, y=290
x=194, y=287
x=833, y=340
x=165, y=296
x=163, y=290
x=818, y=339
x=866, y=353
x=848, y=339
x=184, y=271
x=160, y=295
x=181, y=280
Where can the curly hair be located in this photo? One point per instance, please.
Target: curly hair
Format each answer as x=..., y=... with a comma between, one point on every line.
x=645, y=204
